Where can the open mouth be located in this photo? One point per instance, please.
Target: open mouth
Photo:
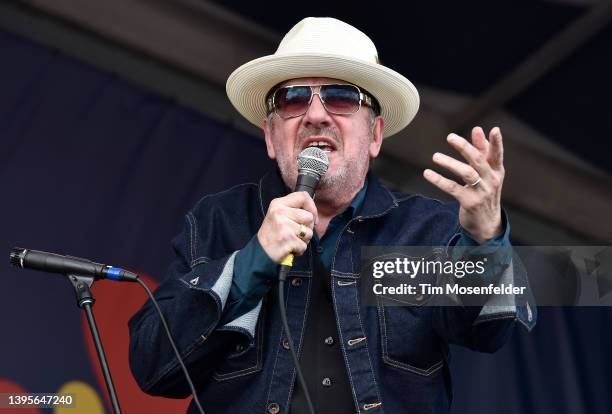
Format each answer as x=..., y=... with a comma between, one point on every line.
x=324, y=144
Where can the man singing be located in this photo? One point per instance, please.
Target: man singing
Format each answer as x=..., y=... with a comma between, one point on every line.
x=323, y=87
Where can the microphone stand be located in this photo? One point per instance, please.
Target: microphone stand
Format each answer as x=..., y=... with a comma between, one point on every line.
x=85, y=301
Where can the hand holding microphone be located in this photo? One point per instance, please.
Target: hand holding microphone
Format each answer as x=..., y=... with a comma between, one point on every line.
x=289, y=222
x=288, y=226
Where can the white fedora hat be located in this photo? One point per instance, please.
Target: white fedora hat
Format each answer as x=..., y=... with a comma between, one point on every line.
x=329, y=48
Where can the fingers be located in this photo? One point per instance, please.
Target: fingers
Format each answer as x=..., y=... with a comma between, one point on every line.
x=298, y=216
x=298, y=207
x=479, y=140
x=444, y=184
x=475, y=157
x=299, y=200
x=496, y=153
x=303, y=232
x=467, y=173
x=285, y=219
x=294, y=244
x=484, y=165
x=491, y=150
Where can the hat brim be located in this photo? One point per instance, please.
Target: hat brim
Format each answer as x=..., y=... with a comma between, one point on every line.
x=248, y=85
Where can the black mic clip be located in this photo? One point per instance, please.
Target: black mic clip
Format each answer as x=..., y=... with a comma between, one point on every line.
x=82, y=289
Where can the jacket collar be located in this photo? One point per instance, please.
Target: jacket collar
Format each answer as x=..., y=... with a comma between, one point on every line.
x=378, y=200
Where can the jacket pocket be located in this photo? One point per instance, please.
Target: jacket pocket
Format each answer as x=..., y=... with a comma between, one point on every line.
x=408, y=340
x=244, y=358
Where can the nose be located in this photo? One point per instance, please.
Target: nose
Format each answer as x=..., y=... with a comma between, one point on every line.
x=316, y=115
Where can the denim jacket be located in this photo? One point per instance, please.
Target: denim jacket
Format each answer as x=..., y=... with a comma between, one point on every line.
x=396, y=356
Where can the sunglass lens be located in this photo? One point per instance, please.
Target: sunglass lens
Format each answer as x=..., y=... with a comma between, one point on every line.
x=340, y=99
x=292, y=101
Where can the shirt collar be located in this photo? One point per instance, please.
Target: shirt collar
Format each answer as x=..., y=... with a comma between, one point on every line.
x=355, y=207
x=372, y=200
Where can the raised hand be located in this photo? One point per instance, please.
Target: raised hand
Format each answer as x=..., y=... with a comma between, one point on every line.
x=482, y=173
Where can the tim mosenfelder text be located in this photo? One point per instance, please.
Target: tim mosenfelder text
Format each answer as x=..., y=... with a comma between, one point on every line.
x=408, y=267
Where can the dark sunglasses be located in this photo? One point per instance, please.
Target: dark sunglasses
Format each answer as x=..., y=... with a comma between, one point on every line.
x=340, y=99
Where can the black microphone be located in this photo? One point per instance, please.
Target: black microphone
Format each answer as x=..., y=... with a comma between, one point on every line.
x=312, y=166
x=55, y=263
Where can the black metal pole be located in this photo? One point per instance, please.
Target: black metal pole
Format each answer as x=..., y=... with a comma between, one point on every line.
x=107, y=375
x=85, y=300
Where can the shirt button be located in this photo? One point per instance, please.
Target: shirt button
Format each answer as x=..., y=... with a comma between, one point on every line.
x=273, y=408
x=329, y=341
x=319, y=249
x=286, y=343
x=326, y=382
x=296, y=282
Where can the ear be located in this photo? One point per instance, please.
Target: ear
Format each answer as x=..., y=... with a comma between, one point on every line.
x=268, y=137
x=377, y=137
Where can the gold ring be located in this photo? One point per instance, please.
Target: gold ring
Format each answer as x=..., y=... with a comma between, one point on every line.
x=302, y=232
x=475, y=183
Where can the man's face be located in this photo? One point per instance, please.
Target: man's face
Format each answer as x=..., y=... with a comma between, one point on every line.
x=350, y=142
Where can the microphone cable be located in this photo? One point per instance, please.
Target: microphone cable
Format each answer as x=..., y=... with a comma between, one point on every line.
x=54, y=263
x=282, y=276
x=176, y=352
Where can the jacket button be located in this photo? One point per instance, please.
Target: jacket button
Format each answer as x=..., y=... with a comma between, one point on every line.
x=329, y=341
x=239, y=347
x=326, y=382
x=296, y=282
x=319, y=249
x=286, y=343
x=273, y=408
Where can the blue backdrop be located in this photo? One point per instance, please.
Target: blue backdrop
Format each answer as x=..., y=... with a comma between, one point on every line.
x=93, y=166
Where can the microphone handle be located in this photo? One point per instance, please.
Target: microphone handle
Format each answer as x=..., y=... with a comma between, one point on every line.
x=306, y=181
x=55, y=263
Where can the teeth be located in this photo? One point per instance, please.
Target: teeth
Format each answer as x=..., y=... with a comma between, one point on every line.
x=319, y=144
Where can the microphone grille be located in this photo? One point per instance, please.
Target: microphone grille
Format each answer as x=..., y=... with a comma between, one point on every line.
x=16, y=256
x=314, y=159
